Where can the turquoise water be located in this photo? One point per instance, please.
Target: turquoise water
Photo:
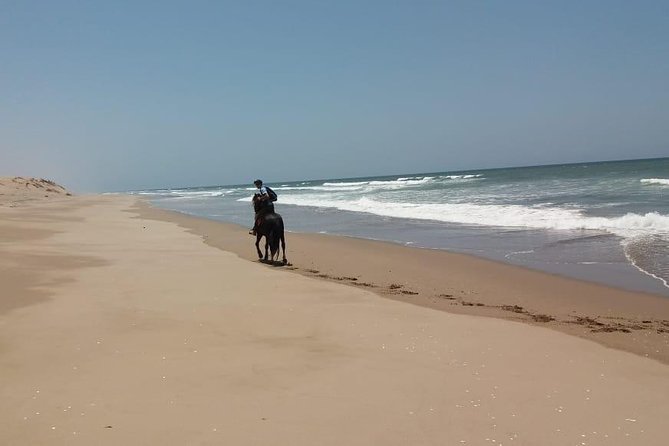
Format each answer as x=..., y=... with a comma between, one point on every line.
x=606, y=221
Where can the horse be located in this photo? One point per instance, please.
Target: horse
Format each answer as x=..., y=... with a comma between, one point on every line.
x=271, y=227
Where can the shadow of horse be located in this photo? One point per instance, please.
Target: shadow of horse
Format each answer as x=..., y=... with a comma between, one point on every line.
x=271, y=227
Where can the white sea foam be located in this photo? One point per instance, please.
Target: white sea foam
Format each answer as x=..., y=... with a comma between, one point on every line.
x=182, y=194
x=462, y=177
x=341, y=188
x=402, y=181
x=352, y=186
x=346, y=184
x=646, y=253
x=518, y=253
x=495, y=215
x=369, y=186
x=661, y=181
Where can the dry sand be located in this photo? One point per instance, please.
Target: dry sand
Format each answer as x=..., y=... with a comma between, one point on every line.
x=119, y=329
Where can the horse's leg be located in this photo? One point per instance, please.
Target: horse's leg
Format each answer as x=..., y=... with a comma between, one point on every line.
x=283, y=248
x=258, y=237
x=266, y=246
x=273, y=246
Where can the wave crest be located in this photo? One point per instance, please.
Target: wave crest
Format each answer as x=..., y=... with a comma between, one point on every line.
x=661, y=181
x=497, y=215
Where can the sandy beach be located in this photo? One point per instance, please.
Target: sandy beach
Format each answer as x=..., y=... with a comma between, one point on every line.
x=633, y=321
x=123, y=324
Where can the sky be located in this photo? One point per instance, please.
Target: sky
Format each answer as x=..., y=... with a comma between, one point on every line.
x=125, y=95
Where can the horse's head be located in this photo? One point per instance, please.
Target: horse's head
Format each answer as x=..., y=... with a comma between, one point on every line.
x=257, y=204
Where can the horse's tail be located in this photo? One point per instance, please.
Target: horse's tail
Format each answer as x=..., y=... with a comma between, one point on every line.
x=275, y=236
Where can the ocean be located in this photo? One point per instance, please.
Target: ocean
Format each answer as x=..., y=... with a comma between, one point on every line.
x=606, y=222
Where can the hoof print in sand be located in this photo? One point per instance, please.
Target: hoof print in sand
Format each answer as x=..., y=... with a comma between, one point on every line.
x=541, y=318
x=534, y=316
x=597, y=326
x=364, y=284
x=514, y=309
x=396, y=288
x=446, y=296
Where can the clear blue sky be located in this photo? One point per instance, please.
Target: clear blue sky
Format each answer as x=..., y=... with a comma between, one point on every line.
x=120, y=95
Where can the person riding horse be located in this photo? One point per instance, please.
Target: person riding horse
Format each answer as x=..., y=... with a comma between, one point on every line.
x=268, y=224
x=263, y=204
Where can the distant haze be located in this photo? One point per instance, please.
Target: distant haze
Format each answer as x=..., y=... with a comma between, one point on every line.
x=129, y=94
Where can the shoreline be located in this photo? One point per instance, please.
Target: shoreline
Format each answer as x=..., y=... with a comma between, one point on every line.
x=631, y=321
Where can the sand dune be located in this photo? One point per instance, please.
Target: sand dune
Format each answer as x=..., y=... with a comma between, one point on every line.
x=15, y=190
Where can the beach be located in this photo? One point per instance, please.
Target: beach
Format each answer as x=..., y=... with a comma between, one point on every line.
x=603, y=222
x=633, y=321
x=125, y=324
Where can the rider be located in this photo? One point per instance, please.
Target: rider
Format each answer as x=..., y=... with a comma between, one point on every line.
x=262, y=204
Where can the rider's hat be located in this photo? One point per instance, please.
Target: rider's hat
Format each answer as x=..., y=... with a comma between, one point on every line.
x=257, y=182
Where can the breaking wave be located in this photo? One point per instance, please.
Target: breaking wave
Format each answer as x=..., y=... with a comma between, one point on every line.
x=661, y=181
x=376, y=185
x=540, y=217
x=175, y=194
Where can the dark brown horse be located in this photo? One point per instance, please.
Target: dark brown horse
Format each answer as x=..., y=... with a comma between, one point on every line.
x=269, y=224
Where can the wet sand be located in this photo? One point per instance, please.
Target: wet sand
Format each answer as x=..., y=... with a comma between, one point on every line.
x=122, y=327
x=458, y=283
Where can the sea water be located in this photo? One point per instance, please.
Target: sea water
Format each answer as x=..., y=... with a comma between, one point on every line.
x=606, y=222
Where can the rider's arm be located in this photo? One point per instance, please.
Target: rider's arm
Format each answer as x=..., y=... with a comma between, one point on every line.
x=262, y=194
